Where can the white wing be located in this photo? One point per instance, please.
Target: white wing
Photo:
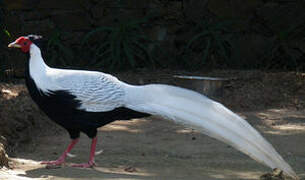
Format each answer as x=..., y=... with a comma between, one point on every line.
x=97, y=91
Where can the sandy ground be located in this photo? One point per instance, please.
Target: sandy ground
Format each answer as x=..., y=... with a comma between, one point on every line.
x=154, y=148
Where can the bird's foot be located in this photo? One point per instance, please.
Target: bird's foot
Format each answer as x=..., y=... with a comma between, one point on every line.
x=90, y=164
x=56, y=162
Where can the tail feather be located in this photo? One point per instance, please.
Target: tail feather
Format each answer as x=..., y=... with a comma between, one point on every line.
x=207, y=116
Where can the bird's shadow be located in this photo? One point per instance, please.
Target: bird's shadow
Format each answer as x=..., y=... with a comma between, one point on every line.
x=81, y=173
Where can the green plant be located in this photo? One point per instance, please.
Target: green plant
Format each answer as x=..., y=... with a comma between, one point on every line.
x=122, y=46
x=211, y=41
x=4, y=40
x=57, y=54
x=285, y=49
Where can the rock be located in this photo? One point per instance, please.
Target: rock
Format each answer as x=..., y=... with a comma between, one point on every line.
x=3, y=156
x=130, y=169
x=3, y=141
x=276, y=174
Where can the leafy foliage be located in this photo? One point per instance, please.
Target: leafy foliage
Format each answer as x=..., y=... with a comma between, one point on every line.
x=122, y=46
x=285, y=50
x=211, y=41
x=57, y=54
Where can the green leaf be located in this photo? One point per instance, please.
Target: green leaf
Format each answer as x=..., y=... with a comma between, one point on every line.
x=117, y=54
x=206, y=50
x=222, y=25
x=145, y=50
x=102, y=62
x=221, y=47
x=6, y=32
x=140, y=37
x=102, y=48
x=196, y=38
x=138, y=52
x=128, y=54
x=112, y=46
x=91, y=33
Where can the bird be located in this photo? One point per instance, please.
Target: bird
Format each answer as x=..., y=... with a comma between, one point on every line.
x=81, y=101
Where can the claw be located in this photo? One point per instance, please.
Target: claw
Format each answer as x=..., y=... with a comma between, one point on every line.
x=71, y=155
x=62, y=158
x=99, y=152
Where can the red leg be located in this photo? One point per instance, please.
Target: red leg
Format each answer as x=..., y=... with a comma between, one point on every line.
x=62, y=158
x=91, y=158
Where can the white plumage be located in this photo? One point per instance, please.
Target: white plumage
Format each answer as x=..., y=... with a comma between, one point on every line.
x=207, y=116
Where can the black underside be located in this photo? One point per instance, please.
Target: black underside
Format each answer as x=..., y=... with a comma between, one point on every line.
x=62, y=107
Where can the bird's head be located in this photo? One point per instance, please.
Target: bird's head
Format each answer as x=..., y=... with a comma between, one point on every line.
x=24, y=42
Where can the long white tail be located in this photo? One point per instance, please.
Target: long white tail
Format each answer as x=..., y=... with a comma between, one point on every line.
x=207, y=116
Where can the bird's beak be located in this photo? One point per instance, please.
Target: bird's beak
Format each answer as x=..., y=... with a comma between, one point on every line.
x=14, y=44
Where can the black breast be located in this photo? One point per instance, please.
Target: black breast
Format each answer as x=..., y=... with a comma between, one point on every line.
x=62, y=107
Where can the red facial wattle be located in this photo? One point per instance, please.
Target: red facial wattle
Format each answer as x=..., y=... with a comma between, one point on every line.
x=23, y=43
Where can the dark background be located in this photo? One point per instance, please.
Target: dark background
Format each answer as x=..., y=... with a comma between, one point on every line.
x=117, y=35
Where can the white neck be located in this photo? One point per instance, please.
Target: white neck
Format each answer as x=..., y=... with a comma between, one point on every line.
x=36, y=61
x=37, y=67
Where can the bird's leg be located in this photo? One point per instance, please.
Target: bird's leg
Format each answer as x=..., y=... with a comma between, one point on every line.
x=91, y=162
x=62, y=158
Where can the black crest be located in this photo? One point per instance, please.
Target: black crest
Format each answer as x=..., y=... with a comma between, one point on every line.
x=34, y=37
x=37, y=40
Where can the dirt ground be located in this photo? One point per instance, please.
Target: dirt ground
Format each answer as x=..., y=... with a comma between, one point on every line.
x=154, y=148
